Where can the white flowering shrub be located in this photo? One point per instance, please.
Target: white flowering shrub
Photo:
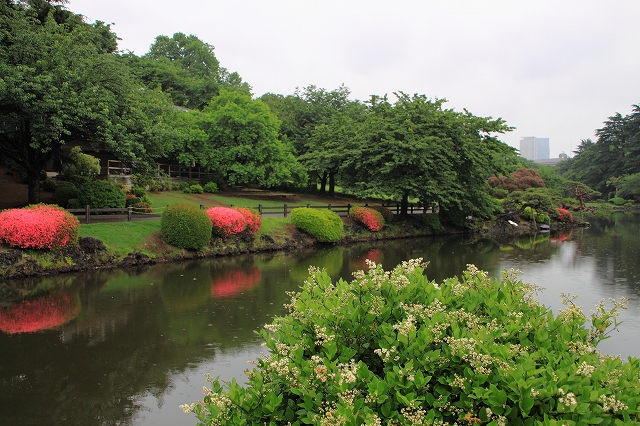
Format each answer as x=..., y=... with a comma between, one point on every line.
x=393, y=348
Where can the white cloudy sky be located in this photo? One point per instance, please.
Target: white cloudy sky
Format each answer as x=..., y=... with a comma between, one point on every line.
x=550, y=68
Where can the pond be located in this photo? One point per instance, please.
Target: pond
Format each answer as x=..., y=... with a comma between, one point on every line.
x=128, y=347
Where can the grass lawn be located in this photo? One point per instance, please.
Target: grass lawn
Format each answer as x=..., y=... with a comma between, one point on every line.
x=121, y=237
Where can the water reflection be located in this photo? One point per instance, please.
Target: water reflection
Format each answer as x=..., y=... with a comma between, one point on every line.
x=127, y=347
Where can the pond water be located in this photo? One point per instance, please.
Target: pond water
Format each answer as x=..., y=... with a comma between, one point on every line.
x=128, y=347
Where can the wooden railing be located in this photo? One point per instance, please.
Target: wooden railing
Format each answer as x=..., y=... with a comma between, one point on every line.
x=88, y=211
x=343, y=210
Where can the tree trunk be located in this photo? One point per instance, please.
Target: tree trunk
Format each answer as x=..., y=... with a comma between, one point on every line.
x=33, y=183
x=404, y=204
x=323, y=182
x=332, y=183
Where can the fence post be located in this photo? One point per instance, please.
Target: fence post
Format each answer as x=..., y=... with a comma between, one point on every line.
x=201, y=207
x=260, y=209
x=87, y=213
x=411, y=208
x=285, y=210
x=329, y=206
x=397, y=208
x=308, y=205
x=129, y=213
x=348, y=208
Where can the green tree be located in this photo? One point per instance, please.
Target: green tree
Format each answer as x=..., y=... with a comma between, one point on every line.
x=58, y=85
x=416, y=149
x=81, y=167
x=238, y=138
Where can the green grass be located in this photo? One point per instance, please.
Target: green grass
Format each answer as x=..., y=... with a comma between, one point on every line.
x=121, y=237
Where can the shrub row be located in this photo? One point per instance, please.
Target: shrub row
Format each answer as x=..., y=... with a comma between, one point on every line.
x=228, y=221
x=39, y=226
x=322, y=224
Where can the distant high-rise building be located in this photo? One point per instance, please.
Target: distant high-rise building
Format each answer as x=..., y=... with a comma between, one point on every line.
x=533, y=148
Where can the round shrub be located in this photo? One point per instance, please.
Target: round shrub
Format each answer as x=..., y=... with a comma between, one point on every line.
x=185, y=226
x=39, y=226
x=210, y=187
x=186, y=189
x=196, y=189
x=368, y=217
x=101, y=195
x=387, y=214
x=138, y=191
x=63, y=193
x=617, y=201
x=252, y=219
x=322, y=224
x=226, y=221
x=393, y=348
x=433, y=221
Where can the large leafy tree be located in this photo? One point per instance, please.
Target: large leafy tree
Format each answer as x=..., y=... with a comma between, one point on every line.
x=187, y=69
x=615, y=153
x=61, y=83
x=237, y=137
x=416, y=149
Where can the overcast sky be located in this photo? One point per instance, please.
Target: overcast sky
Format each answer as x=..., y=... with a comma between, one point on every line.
x=554, y=69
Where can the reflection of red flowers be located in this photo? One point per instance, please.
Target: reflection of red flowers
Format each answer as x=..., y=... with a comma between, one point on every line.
x=562, y=235
x=234, y=282
x=39, y=314
x=374, y=255
x=39, y=226
x=371, y=219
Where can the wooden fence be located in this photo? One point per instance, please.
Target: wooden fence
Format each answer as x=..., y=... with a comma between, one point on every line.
x=88, y=211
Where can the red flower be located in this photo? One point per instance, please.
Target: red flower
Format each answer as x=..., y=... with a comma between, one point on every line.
x=39, y=226
x=234, y=282
x=42, y=313
x=226, y=221
x=252, y=219
x=368, y=217
x=564, y=215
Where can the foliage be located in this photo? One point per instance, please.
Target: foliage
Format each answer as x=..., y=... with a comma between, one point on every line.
x=564, y=215
x=520, y=200
x=415, y=148
x=370, y=218
x=614, y=154
x=210, y=187
x=519, y=180
x=628, y=187
x=101, y=195
x=41, y=313
x=63, y=193
x=396, y=348
x=155, y=182
x=322, y=224
x=433, y=221
x=618, y=201
x=185, y=226
x=226, y=221
x=252, y=219
x=530, y=214
x=387, y=214
x=195, y=189
x=138, y=191
x=39, y=226
x=81, y=167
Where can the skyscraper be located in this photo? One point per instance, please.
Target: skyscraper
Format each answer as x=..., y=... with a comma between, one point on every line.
x=533, y=148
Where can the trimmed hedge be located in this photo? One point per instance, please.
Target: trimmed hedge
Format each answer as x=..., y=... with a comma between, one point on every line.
x=368, y=217
x=101, y=195
x=63, y=193
x=185, y=226
x=324, y=225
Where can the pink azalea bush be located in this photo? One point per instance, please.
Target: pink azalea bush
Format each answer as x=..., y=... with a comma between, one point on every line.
x=368, y=217
x=564, y=215
x=226, y=221
x=251, y=217
x=39, y=226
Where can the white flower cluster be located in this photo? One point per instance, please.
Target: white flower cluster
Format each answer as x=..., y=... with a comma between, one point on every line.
x=414, y=415
x=435, y=307
x=475, y=272
x=386, y=354
x=611, y=403
x=348, y=372
x=613, y=378
x=581, y=348
x=405, y=327
x=585, y=369
x=458, y=381
x=321, y=334
x=377, y=303
x=568, y=399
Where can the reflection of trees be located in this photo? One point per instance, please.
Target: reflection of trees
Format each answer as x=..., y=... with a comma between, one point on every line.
x=615, y=246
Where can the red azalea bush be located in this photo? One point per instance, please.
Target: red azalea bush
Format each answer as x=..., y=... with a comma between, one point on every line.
x=226, y=221
x=251, y=217
x=39, y=226
x=564, y=215
x=368, y=217
x=387, y=214
x=42, y=313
